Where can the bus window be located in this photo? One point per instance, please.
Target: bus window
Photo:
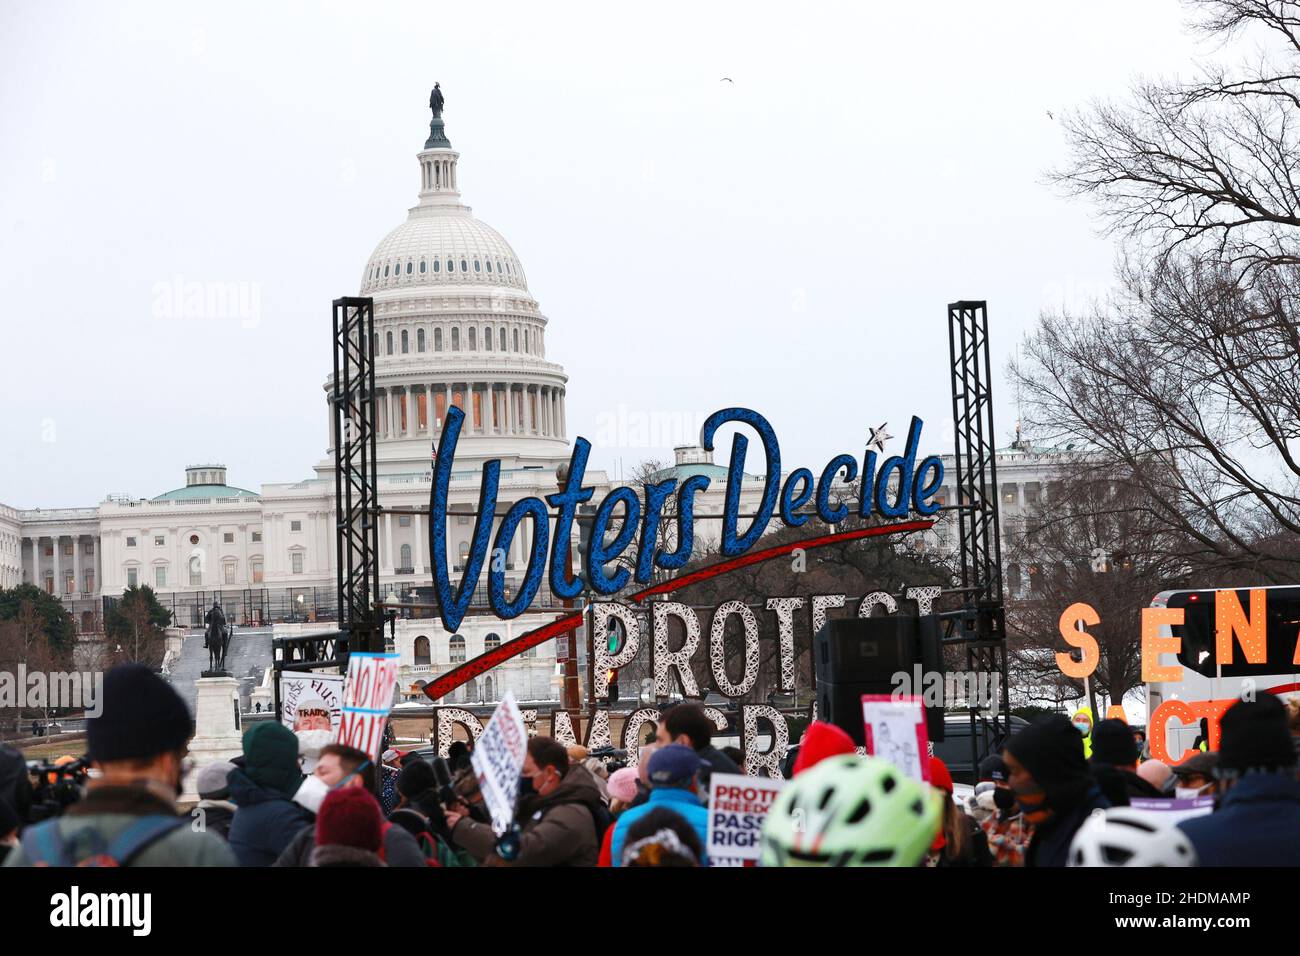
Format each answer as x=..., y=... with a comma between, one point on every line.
x=1198, y=637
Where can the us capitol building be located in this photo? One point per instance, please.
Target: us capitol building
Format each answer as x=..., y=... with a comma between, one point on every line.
x=455, y=324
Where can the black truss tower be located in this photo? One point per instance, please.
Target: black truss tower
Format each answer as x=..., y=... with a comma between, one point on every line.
x=980, y=625
x=356, y=497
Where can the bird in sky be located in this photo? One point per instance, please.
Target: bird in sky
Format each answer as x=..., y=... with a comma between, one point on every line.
x=1050, y=116
x=878, y=438
x=727, y=79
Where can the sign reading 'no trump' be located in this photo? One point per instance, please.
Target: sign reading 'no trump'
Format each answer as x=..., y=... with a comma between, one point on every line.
x=367, y=699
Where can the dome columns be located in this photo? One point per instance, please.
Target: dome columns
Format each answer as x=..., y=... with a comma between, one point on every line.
x=491, y=406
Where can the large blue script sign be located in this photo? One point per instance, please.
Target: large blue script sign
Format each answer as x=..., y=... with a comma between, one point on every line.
x=913, y=493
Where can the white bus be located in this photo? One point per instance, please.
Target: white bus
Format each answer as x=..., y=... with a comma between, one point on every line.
x=1181, y=711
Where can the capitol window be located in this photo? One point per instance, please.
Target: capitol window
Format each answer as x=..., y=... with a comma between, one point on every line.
x=296, y=559
x=423, y=267
x=455, y=340
x=451, y=266
x=477, y=267
x=489, y=265
x=473, y=339
x=464, y=265
x=385, y=272
x=516, y=340
x=437, y=265
x=389, y=339
x=437, y=340
x=132, y=577
x=422, y=651
x=419, y=340
x=405, y=342
x=457, y=648
x=487, y=338
x=408, y=268
x=491, y=642
x=160, y=576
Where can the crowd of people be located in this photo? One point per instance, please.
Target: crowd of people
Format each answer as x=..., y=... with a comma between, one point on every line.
x=1051, y=797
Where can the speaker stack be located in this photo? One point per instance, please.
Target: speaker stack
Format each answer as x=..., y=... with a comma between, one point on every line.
x=856, y=656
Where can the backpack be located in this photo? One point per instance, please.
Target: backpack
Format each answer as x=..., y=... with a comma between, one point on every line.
x=46, y=845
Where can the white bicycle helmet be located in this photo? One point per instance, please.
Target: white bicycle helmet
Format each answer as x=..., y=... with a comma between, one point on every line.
x=1122, y=836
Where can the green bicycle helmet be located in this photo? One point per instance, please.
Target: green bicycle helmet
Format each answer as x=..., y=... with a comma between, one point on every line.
x=852, y=811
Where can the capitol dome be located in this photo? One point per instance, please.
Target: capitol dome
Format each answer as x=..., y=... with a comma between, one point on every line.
x=442, y=246
x=455, y=324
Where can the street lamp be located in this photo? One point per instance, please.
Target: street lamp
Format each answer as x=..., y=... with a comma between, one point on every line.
x=391, y=604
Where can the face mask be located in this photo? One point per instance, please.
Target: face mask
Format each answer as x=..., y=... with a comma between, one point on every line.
x=1188, y=793
x=1033, y=803
x=1083, y=729
x=311, y=794
x=1003, y=798
x=310, y=744
x=526, y=788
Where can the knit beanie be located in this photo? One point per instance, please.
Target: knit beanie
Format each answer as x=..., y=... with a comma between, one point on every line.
x=821, y=740
x=1253, y=735
x=1113, y=743
x=350, y=816
x=140, y=717
x=416, y=778
x=1052, y=751
x=213, y=780
x=271, y=757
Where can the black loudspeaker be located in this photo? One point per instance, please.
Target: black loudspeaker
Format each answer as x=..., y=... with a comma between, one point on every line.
x=856, y=656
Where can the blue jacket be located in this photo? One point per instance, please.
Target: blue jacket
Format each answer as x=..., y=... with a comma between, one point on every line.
x=265, y=821
x=680, y=801
x=1257, y=823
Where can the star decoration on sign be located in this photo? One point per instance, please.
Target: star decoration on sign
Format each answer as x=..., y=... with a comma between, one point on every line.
x=878, y=438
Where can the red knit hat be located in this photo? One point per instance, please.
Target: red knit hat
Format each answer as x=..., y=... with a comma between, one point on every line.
x=940, y=779
x=821, y=740
x=350, y=817
x=939, y=775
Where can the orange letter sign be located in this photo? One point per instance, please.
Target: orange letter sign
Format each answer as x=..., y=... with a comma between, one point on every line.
x=1153, y=645
x=1074, y=615
x=1230, y=618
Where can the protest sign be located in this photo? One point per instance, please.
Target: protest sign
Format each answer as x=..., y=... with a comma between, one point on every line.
x=1173, y=811
x=367, y=699
x=738, y=805
x=311, y=701
x=895, y=731
x=498, y=759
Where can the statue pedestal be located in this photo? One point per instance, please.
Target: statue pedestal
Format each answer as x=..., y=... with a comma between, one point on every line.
x=217, y=734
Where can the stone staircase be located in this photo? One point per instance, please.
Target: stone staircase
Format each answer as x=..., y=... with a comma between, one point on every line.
x=247, y=659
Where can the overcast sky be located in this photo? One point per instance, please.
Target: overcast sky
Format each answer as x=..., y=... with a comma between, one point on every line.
x=788, y=241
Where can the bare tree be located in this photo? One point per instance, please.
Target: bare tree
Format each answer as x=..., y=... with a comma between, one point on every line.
x=1088, y=542
x=1186, y=384
x=1203, y=166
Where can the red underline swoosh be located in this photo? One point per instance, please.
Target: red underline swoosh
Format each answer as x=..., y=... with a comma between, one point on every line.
x=449, y=681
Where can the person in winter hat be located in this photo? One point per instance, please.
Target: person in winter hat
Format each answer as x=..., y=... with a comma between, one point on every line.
x=1257, y=819
x=674, y=774
x=266, y=816
x=998, y=814
x=349, y=830
x=214, y=808
x=821, y=740
x=1055, y=791
x=1114, y=763
x=960, y=841
x=128, y=817
x=622, y=789
x=561, y=814
x=341, y=767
